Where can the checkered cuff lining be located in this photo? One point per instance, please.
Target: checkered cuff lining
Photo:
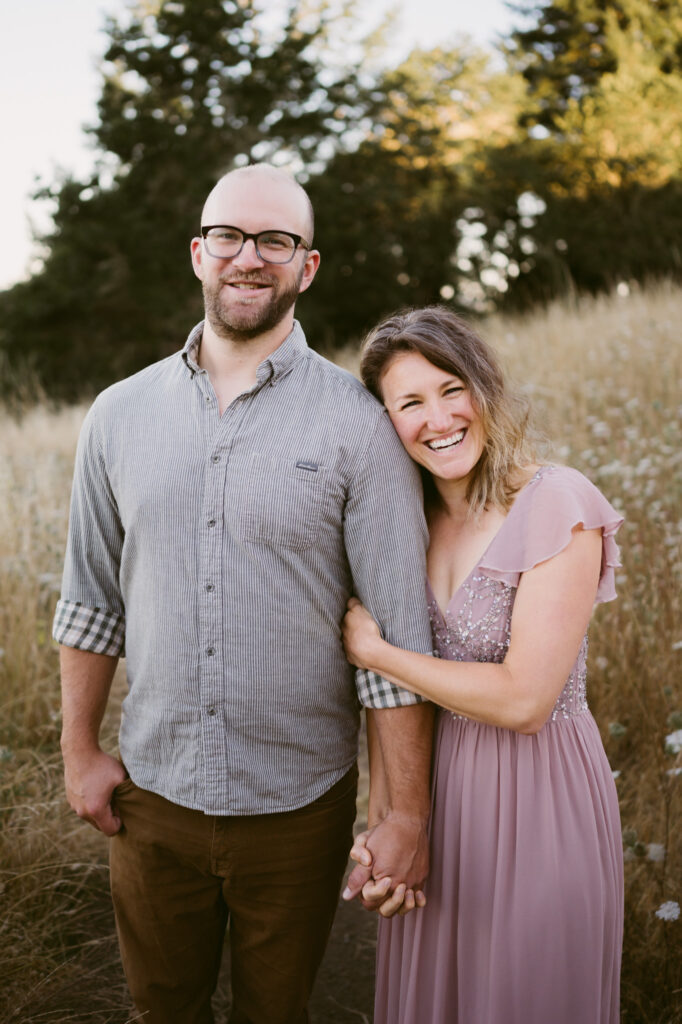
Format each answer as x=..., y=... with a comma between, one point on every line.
x=376, y=692
x=89, y=629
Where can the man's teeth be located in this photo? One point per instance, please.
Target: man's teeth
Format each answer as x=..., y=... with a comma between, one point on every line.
x=446, y=442
x=248, y=286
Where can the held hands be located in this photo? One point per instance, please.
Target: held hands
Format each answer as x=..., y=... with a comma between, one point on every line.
x=90, y=781
x=392, y=857
x=360, y=634
x=395, y=848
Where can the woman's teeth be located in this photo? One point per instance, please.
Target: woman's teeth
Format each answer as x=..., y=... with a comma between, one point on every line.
x=446, y=442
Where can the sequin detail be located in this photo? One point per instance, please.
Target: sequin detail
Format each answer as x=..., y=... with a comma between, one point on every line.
x=479, y=629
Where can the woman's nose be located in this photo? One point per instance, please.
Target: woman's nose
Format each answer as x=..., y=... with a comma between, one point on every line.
x=439, y=417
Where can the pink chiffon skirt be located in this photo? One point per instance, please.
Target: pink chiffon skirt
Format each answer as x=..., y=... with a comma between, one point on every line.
x=525, y=896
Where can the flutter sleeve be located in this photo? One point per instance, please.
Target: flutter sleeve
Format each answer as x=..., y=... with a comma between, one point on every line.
x=540, y=525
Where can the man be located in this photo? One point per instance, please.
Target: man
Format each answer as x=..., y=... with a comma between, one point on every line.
x=227, y=501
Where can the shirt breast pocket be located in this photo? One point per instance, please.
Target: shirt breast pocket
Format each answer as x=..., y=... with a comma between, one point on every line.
x=283, y=501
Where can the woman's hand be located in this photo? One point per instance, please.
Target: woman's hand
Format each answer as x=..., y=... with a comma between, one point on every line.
x=360, y=634
x=377, y=895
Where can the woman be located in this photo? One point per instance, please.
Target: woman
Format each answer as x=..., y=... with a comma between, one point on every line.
x=523, y=920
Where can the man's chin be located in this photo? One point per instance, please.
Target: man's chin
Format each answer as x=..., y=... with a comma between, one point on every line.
x=242, y=328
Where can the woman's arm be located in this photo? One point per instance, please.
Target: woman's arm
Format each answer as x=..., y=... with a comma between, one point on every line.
x=552, y=609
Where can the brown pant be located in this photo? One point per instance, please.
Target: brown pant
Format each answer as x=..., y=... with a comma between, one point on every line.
x=178, y=875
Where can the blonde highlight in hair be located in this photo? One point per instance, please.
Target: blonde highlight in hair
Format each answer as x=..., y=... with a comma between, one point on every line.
x=451, y=344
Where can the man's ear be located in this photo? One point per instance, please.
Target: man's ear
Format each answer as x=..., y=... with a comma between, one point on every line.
x=197, y=252
x=310, y=267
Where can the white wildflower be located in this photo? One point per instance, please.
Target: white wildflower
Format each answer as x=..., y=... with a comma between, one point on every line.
x=616, y=773
x=668, y=911
x=674, y=771
x=673, y=742
x=655, y=852
x=677, y=646
x=601, y=663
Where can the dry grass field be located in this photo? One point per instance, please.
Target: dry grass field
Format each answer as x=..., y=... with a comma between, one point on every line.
x=604, y=375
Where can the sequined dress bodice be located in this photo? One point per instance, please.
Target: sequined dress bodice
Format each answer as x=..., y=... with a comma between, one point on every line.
x=477, y=627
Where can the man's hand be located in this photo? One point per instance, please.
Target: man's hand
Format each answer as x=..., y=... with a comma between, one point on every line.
x=392, y=863
x=90, y=781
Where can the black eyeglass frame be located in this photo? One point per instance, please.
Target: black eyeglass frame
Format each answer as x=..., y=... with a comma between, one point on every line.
x=299, y=242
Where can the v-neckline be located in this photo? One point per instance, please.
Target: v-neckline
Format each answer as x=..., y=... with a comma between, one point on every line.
x=443, y=612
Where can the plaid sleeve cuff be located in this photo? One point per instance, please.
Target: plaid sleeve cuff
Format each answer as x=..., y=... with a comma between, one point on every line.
x=376, y=692
x=89, y=629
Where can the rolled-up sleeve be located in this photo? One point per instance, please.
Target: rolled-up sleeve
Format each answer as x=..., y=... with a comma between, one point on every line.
x=90, y=613
x=386, y=538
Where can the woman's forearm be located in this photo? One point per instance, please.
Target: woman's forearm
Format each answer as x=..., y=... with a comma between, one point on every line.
x=484, y=691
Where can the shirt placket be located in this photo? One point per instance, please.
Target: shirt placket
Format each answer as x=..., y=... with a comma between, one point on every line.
x=214, y=596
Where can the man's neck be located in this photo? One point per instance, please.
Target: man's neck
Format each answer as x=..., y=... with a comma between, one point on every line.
x=232, y=363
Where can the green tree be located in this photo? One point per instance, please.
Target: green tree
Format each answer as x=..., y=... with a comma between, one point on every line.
x=190, y=89
x=600, y=155
x=391, y=212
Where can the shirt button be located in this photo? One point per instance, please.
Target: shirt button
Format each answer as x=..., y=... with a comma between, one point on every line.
x=211, y=711
x=215, y=458
x=211, y=522
x=210, y=587
x=210, y=651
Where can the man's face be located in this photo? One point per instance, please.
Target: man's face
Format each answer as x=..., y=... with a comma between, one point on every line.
x=245, y=296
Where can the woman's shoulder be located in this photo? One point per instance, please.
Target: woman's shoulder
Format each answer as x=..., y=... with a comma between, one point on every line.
x=566, y=491
x=540, y=524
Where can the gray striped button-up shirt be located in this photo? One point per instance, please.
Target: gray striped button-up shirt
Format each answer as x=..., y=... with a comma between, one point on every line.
x=218, y=553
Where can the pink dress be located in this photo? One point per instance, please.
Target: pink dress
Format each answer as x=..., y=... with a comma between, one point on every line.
x=524, y=918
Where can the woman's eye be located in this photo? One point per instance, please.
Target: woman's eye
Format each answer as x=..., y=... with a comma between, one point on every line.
x=454, y=390
x=407, y=405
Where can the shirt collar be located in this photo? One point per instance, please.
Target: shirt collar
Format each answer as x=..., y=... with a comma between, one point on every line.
x=275, y=365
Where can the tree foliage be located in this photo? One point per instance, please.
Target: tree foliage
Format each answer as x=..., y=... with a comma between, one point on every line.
x=450, y=177
x=599, y=148
x=190, y=90
x=388, y=211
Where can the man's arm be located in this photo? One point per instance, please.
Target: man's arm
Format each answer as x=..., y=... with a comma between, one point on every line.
x=90, y=775
x=385, y=542
x=89, y=626
x=399, y=742
x=399, y=843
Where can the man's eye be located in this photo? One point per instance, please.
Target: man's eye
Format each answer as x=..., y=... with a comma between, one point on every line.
x=275, y=241
x=408, y=404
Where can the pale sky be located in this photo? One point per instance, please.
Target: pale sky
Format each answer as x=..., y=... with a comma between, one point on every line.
x=49, y=84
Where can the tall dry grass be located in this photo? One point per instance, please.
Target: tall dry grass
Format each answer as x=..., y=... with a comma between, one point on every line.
x=604, y=375
x=57, y=943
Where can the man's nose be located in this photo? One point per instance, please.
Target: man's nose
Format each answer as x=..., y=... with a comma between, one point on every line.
x=248, y=258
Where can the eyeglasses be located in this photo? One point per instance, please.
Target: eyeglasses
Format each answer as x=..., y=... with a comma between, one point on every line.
x=224, y=242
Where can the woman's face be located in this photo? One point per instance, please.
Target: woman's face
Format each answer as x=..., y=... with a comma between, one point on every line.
x=433, y=415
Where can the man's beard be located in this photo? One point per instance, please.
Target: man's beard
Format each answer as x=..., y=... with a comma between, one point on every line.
x=243, y=324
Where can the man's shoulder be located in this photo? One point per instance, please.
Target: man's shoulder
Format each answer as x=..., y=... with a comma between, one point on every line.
x=335, y=377
x=139, y=386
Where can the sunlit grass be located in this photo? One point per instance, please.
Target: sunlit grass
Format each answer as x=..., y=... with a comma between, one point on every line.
x=604, y=375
